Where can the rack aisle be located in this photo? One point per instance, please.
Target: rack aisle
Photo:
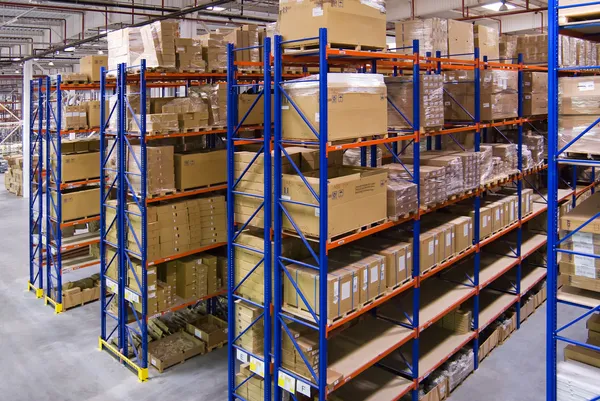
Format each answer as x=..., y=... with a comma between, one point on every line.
x=163, y=217
x=72, y=188
x=36, y=170
x=573, y=147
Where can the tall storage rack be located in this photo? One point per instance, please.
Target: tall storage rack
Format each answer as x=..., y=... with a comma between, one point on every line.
x=258, y=364
x=120, y=322
x=37, y=106
x=557, y=158
x=405, y=336
x=56, y=244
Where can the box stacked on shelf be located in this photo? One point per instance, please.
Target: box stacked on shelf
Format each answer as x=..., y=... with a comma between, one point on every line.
x=534, y=48
x=80, y=160
x=508, y=49
x=214, y=50
x=586, y=355
x=160, y=169
x=579, y=106
x=212, y=164
x=192, y=112
x=499, y=98
x=80, y=292
x=401, y=197
x=535, y=97
x=188, y=55
x=158, y=39
x=487, y=40
x=215, y=96
x=450, y=37
x=90, y=67
x=158, y=123
x=247, y=37
x=433, y=189
x=249, y=321
x=351, y=23
x=400, y=90
x=398, y=258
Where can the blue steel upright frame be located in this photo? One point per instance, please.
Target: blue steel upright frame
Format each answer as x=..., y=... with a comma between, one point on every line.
x=37, y=105
x=259, y=364
x=556, y=158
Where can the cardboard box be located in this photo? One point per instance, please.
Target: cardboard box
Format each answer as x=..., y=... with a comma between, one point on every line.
x=581, y=214
x=79, y=166
x=535, y=82
x=174, y=349
x=579, y=95
x=464, y=232
x=93, y=112
x=357, y=191
x=91, y=65
x=460, y=39
x=210, y=329
x=535, y=104
x=257, y=113
x=400, y=90
x=488, y=42
x=213, y=166
x=78, y=204
x=351, y=22
x=357, y=107
x=582, y=354
x=398, y=258
x=432, y=34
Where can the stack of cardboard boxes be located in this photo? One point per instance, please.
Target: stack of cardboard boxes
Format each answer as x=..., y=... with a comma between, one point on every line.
x=189, y=55
x=488, y=42
x=579, y=107
x=211, y=164
x=192, y=112
x=583, y=354
x=249, y=385
x=251, y=324
x=13, y=178
x=160, y=169
x=74, y=117
x=535, y=96
x=90, y=67
x=400, y=95
x=454, y=38
x=433, y=188
x=534, y=48
x=508, y=49
x=577, y=270
x=214, y=50
x=247, y=37
x=401, y=197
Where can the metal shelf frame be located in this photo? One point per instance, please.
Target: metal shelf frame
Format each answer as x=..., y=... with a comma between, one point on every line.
x=324, y=57
x=557, y=158
x=37, y=106
x=259, y=364
x=118, y=194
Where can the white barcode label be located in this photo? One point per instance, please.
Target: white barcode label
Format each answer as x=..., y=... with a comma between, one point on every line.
x=585, y=86
x=448, y=239
x=286, y=382
x=465, y=230
x=430, y=248
x=401, y=264
x=374, y=274
x=317, y=12
x=345, y=291
x=198, y=333
x=131, y=296
x=317, y=117
x=336, y=292
x=583, y=238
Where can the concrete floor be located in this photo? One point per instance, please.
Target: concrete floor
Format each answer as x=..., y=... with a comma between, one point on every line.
x=48, y=357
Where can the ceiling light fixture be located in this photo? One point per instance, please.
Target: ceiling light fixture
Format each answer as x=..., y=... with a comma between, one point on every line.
x=15, y=59
x=51, y=63
x=100, y=52
x=70, y=49
x=36, y=59
x=216, y=8
x=503, y=7
x=499, y=6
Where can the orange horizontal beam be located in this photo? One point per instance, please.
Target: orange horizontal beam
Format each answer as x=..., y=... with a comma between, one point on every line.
x=187, y=193
x=188, y=253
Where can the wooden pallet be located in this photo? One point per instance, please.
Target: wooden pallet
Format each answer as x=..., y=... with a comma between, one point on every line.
x=250, y=70
x=216, y=346
x=75, y=81
x=80, y=179
x=312, y=45
x=306, y=315
x=355, y=231
x=81, y=218
x=158, y=132
x=201, y=187
x=402, y=216
x=400, y=284
x=218, y=71
x=194, y=70
x=218, y=127
x=82, y=127
x=157, y=194
x=196, y=129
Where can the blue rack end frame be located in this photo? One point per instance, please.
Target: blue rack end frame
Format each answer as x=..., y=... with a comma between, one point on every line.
x=588, y=302
x=36, y=207
x=260, y=219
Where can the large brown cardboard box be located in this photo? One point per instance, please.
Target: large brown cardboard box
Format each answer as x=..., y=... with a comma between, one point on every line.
x=535, y=104
x=582, y=354
x=579, y=95
x=535, y=82
x=460, y=39
x=90, y=66
x=79, y=166
x=356, y=106
x=257, y=114
x=427, y=253
x=351, y=22
x=93, y=112
x=432, y=34
x=464, y=232
x=398, y=257
x=200, y=169
x=78, y=204
x=210, y=329
x=487, y=39
x=359, y=192
x=581, y=214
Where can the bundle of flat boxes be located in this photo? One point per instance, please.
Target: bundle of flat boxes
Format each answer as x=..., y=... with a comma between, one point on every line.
x=160, y=169
x=578, y=270
x=579, y=107
x=508, y=49
x=293, y=358
x=534, y=48
x=576, y=52
x=535, y=93
x=178, y=227
x=191, y=112
x=249, y=385
x=249, y=322
x=400, y=91
x=214, y=50
x=247, y=37
x=401, y=197
x=156, y=123
x=433, y=189
x=499, y=95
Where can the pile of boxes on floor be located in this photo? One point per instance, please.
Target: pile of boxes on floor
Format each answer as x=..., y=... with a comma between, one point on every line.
x=80, y=292
x=13, y=178
x=578, y=106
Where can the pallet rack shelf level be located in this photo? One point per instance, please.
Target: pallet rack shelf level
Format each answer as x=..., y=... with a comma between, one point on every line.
x=558, y=157
x=421, y=359
x=37, y=106
x=56, y=242
x=125, y=197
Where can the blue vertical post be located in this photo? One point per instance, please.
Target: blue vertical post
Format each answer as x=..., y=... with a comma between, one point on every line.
x=58, y=239
x=373, y=148
x=324, y=215
x=231, y=122
x=268, y=205
x=574, y=186
x=593, y=179
x=416, y=269
x=485, y=130
x=102, y=204
x=519, y=185
x=552, y=213
x=477, y=206
x=144, y=213
x=277, y=222
x=121, y=200
x=49, y=229
x=438, y=70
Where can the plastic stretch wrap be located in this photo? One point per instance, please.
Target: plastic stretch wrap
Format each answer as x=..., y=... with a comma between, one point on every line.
x=486, y=164
x=579, y=95
x=74, y=112
x=160, y=168
x=191, y=104
x=400, y=90
x=352, y=157
x=459, y=367
x=432, y=34
x=433, y=188
x=508, y=49
x=567, y=53
x=536, y=144
x=215, y=97
x=569, y=127
x=471, y=162
x=508, y=154
x=401, y=197
x=534, y=48
x=159, y=43
x=527, y=158
x=337, y=84
x=124, y=46
x=455, y=177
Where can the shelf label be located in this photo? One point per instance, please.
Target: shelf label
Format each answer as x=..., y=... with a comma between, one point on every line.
x=257, y=366
x=241, y=356
x=131, y=296
x=286, y=382
x=111, y=285
x=303, y=388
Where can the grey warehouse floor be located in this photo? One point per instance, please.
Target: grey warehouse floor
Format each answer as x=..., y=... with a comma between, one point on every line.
x=48, y=357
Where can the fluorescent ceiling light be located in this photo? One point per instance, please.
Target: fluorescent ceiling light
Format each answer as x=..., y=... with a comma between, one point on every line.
x=100, y=52
x=102, y=32
x=17, y=71
x=216, y=8
x=15, y=59
x=496, y=6
x=51, y=63
x=70, y=49
x=36, y=59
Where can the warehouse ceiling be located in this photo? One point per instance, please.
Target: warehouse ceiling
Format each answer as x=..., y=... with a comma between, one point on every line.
x=55, y=34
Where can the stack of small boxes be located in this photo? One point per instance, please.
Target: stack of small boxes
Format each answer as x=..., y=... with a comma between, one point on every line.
x=75, y=117
x=433, y=188
x=160, y=169
x=159, y=42
x=308, y=342
x=214, y=50
x=253, y=338
x=401, y=197
x=534, y=48
x=189, y=55
x=192, y=112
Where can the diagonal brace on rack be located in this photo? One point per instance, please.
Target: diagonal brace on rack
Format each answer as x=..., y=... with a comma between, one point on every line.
x=560, y=241
x=237, y=128
x=572, y=141
x=256, y=155
x=247, y=276
x=459, y=105
x=299, y=292
x=237, y=234
x=299, y=232
x=401, y=113
x=299, y=350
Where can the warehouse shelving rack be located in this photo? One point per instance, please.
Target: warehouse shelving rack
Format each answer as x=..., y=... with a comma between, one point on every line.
x=118, y=329
x=37, y=105
x=418, y=370
x=54, y=239
x=557, y=158
x=259, y=364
